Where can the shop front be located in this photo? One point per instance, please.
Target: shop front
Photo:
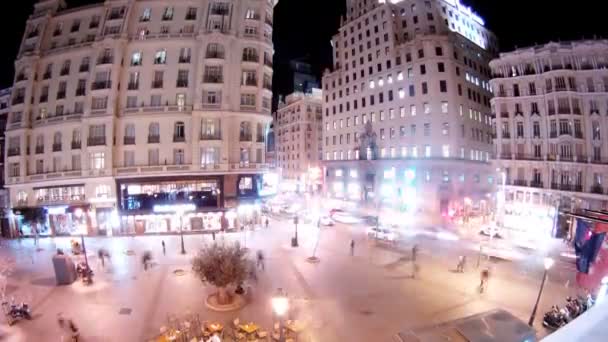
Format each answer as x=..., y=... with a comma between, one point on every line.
x=156, y=206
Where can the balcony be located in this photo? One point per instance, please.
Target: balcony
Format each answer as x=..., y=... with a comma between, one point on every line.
x=153, y=139
x=157, y=84
x=213, y=79
x=64, y=72
x=81, y=91
x=116, y=15
x=46, y=75
x=20, y=77
x=14, y=151
x=566, y=158
x=553, y=134
x=133, y=86
x=182, y=83
x=251, y=58
x=505, y=156
x=39, y=149
x=56, y=147
x=536, y=184
x=184, y=59
x=250, y=81
x=128, y=140
x=179, y=138
x=97, y=85
x=60, y=95
x=578, y=135
x=520, y=182
x=214, y=54
x=96, y=141
x=267, y=85
x=43, y=98
x=244, y=137
x=76, y=145
x=220, y=10
x=215, y=136
x=105, y=60
x=84, y=68
x=268, y=62
x=18, y=100
x=93, y=24
x=191, y=16
x=597, y=189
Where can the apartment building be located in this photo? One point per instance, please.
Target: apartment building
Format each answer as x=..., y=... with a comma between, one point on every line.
x=126, y=114
x=551, y=107
x=406, y=109
x=5, y=98
x=299, y=131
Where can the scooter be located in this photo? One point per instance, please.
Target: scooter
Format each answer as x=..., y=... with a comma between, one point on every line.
x=16, y=312
x=85, y=273
x=554, y=318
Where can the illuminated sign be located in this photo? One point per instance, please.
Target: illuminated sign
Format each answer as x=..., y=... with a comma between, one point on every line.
x=269, y=184
x=173, y=208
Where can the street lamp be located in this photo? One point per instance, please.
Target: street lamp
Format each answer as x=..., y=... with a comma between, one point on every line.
x=294, y=242
x=548, y=263
x=280, y=306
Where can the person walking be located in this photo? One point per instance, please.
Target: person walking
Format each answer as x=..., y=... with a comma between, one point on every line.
x=414, y=253
x=162, y=242
x=485, y=274
x=460, y=265
x=266, y=222
x=213, y=235
x=260, y=260
x=146, y=259
x=352, y=247
x=101, y=254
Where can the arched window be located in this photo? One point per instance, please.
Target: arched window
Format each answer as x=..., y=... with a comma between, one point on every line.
x=130, y=130
x=215, y=50
x=250, y=55
x=154, y=133
x=179, y=131
x=57, y=138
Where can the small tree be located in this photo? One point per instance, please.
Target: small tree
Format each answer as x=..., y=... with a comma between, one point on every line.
x=221, y=266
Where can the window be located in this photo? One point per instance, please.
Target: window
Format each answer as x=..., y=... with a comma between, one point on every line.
x=443, y=86
x=155, y=100
x=445, y=129
x=179, y=131
x=168, y=13
x=76, y=164
x=440, y=67
x=413, y=110
x=129, y=157
x=97, y=160
x=426, y=108
x=145, y=15
x=427, y=129
x=438, y=51
x=248, y=100
x=427, y=151
x=445, y=151
x=153, y=158
x=210, y=156
x=425, y=88
x=154, y=130
x=160, y=57
x=179, y=157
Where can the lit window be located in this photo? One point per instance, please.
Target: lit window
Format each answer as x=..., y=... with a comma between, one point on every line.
x=413, y=110
x=401, y=93
x=381, y=82
x=390, y=80
x=445, y=151
x=444, y=107
x=383, y=152
x=403, y=152
x=97, y=160
x=400, y=76
x=427, y=151
x=414, y=151
x=427, y=108
x=372, y=85
x=160, y=57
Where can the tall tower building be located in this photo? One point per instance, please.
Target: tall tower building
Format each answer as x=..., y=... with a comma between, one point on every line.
x=127, y=114
x=551, y=103
x=406, y=109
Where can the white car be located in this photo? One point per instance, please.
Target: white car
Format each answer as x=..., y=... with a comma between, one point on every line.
x=492, y=231
x=382, y=234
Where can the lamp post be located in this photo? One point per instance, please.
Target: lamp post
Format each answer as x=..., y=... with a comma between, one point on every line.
x=295, y=238
x=280, y=306
x=181, y=229
x=548, y=263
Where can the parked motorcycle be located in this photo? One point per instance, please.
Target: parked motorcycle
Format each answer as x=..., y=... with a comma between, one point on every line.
x=554, y=318
x=16, y=312
x=85, y=273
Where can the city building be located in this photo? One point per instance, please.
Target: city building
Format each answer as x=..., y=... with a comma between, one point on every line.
x=550, y=108
x=5, y=98
x=299, y=133
x=301, y=77
x=406, y=109
x=127, y=116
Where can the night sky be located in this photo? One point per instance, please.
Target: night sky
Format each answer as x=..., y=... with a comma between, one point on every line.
x=304, y=28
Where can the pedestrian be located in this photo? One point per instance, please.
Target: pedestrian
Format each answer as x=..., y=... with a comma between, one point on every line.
x=352, y=247
x=485, y=274
x=415, y=269
x=260, y=260
x=414, y=253
x=213, y=235
x=266, y=222
x=146, y=259
x=164, y=250
x=101, y=254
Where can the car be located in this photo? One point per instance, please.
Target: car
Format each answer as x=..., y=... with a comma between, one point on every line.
x=382, y=233
x=370, y=220
x=326, y=221
x=491, y=231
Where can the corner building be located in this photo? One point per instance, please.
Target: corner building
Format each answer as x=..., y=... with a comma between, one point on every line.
x=551, y=106
x=127, y=114
x=406, y=109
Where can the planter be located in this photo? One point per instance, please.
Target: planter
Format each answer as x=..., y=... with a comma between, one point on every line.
x=313, y=260
x=237, y=303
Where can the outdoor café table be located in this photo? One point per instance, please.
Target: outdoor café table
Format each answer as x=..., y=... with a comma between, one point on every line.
x=214, y=327
x=249, y=328
x=169, y=336
x=295, y=326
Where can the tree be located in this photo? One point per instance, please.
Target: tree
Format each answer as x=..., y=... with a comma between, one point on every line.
x=221, y=266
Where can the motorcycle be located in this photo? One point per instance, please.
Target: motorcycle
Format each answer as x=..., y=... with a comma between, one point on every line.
x=85, y=273
x=553, y=319
x=16, y=312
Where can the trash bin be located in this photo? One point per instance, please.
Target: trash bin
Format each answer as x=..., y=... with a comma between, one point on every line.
x=294, y=242
x=65, y=271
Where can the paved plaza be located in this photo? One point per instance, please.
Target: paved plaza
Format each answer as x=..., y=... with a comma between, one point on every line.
x=366, y=297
